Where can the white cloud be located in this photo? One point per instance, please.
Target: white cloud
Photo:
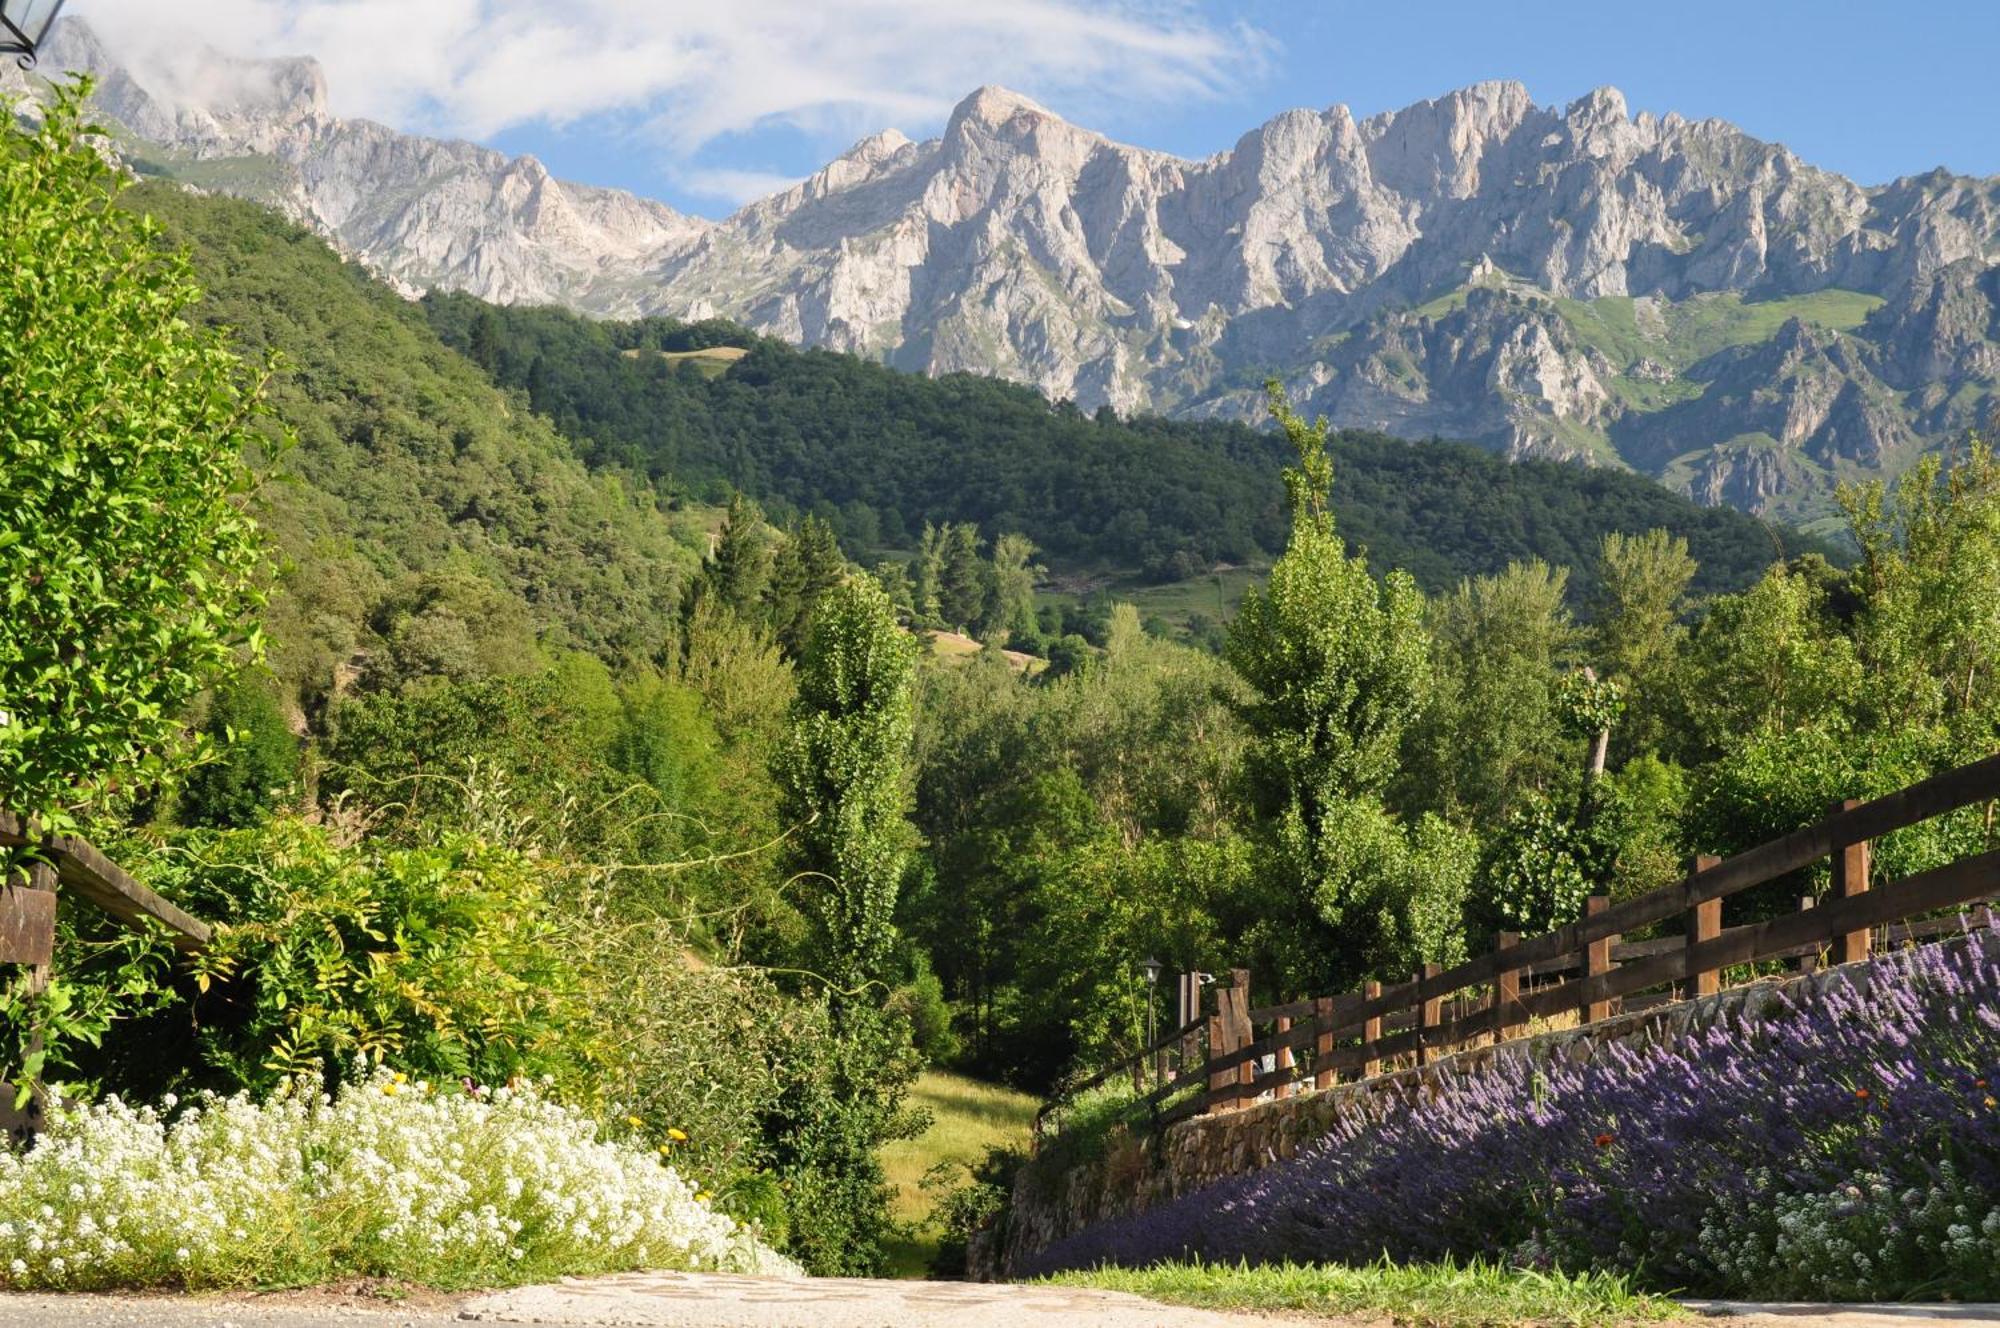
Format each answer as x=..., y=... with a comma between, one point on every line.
x=695, y=71
x=733, y=185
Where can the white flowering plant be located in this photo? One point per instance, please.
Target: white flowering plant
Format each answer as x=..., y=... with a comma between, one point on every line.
x=450, y=1186
x=1870, y=1239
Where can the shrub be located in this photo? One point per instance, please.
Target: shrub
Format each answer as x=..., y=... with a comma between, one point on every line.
x=256, y=761
x=445, y=957
x=456, y=1187
x=1650, y=1157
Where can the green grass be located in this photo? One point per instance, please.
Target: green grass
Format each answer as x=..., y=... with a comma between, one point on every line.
x=967, y=1118
x=1433, y=1295
x=1696, y=328
x=1214, y=595
x=713, y=362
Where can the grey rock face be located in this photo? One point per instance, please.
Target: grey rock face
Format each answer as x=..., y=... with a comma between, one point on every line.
x=1549, y=281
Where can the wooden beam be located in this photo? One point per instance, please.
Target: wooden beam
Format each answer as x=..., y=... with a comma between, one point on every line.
x=1705, y=924
x=1323, y=1042
x=1850, y=878
x=1597, y=962
x=1371, y=1033
x=90, y=874
x=1432, y=1016
x=1507, y=991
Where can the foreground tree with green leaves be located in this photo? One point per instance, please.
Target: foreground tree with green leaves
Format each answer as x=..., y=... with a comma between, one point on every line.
x=129, y=567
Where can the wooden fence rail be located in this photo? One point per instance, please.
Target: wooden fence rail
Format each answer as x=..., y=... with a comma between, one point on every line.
x=28, y=895
x=1587, y=968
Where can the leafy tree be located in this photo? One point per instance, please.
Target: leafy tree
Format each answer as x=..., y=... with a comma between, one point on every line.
x=1490, y=731
x=129, y=565
x=928, y=573
x=1643, y=582
x=1336, y=663
x=1769, y=660
x=1929, y=629
x=842, y=774
x=1014, y=574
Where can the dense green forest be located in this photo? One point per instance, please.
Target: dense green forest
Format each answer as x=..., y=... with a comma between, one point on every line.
x=552, y=771
x=879, y=453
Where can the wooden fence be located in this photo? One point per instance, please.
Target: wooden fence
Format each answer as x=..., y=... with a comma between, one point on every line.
x=1235, y=1055
x=28, y=920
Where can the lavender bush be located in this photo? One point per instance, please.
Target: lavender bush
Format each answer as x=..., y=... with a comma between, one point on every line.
x=1759, y=1157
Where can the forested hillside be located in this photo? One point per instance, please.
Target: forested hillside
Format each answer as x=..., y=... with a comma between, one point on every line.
x=426, y=524
x=878, y=453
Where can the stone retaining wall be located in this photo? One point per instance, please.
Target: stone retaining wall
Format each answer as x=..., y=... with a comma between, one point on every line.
x=1136, y=1173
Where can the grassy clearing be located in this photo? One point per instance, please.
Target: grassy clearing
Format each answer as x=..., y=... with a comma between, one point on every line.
x=713, y=362
x=1214, y=595
x=1681, y=334
x=1433, y=1296
x=957, y=648
x=967, y=1118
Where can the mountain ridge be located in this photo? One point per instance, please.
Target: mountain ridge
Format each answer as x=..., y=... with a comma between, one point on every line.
x=1314, y=249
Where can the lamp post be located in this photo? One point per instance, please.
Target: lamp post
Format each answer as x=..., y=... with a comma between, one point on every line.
x=23, y=25
x=1152, y=969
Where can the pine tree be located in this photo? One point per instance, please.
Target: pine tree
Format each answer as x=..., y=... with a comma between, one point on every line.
x=740, y=569
x=806, y=568
x=963, y=588
x=927, y=570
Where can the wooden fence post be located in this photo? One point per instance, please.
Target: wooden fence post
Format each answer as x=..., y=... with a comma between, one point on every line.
x=1285, y=1061
x=1850, y=878
x=1218, y=1044
x=1808, y=963
x=1429, y=1015
x=1597, y=960
x=1244, y=1034
x=1323, y=1044
x=1705, y=924
x=1507, y=992
x=1371, y=1033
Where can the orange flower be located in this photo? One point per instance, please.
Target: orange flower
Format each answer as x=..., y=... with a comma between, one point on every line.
x=1861, y=1094
x=1605, y=1140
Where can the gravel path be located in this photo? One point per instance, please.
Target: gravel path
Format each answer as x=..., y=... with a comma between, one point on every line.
x=649, y=1300
x=681, y=1300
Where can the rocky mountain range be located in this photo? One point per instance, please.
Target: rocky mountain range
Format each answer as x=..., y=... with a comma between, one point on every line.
x=1583, y=283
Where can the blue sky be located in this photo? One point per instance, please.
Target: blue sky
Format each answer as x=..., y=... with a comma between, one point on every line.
x=706, y=105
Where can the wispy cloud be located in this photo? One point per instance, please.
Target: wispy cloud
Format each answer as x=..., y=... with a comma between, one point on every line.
x=690, y=74
x=732, y=185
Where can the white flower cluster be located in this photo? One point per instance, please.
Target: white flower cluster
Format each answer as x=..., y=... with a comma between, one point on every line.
x=388, y=1179
x=1860, y=1239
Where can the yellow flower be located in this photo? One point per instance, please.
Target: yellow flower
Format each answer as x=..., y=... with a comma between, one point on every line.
x=1992, y=1102
x=677, y=1134
x=635, y=1122
x=399, y=1077
x=665, y=1149
x=390, y=1088
x=703, y=1197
